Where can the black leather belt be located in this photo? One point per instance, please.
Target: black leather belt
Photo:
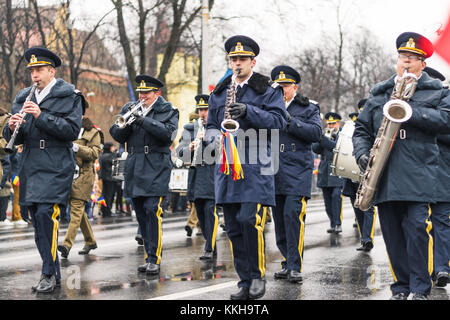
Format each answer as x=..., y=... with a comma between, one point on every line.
x=147, y=149
x=287, y=147
x=43, y=144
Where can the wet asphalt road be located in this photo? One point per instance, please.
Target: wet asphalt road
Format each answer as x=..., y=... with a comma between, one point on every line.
x=333, y=269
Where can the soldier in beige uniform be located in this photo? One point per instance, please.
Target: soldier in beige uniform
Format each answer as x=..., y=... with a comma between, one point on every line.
x=87, y=150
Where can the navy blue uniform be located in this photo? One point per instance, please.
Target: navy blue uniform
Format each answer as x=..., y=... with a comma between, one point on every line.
x=331, y=185
x=47, y=164
x=440, y=211
x=294, y=178
x=365, y=219
x=147, y=169
x=201, y=188
x=244, y=201
x=408, y=182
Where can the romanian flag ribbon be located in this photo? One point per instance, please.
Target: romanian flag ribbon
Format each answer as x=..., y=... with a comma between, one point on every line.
x=15, y=180
x=230, y=157
x=101, y=201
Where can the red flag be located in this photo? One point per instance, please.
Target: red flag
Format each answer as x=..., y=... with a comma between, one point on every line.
x=442, y=45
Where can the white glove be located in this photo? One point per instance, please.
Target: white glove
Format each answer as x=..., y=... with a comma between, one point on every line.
x=75, y=147
x=178, y=163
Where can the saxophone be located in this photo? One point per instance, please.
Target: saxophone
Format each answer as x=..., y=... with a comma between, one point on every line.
x=198, y=143
x=396, y=111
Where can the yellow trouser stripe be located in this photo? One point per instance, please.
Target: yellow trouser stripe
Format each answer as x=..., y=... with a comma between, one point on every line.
x=216, y=222
x=55, y=215
x=430, y=242
x=390, y=267
x=302, y=232
x=260, y=229
x=342, y=207
x=231, y=248
x=158, y=216
x=372, y=232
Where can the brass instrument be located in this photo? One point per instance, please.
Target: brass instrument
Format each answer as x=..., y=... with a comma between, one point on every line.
x=329, y=132
x=229, y=124
x=123, y=120
x=10, y=146
x=198, y=143
x=395, y=111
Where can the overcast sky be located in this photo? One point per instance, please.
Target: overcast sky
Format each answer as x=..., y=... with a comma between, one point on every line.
x=288, y=25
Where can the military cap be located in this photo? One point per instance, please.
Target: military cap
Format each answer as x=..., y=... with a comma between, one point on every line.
x=415, y=43
x=285, y=74
x=202, y=101
x=241, y=46
x=147, y=83
x=353, y=116
x=39, y=56
x=332, y=117
x=361, y=104
x=434, y=73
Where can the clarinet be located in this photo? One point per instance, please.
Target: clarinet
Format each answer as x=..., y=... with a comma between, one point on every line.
x=10, y=146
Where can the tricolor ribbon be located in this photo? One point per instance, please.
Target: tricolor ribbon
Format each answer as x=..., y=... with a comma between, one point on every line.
x=15, y=180
x=230, y=157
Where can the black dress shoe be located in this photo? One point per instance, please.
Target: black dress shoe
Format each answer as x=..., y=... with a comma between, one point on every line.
x=442, y=279
x=338, y=229
x=64, y=251
x=368, y=246
x=152, y=268
x=361, y=248
x=143, y=267
x=46, y=285
x=242, y=294
x=294, y=276
x=139, y=240
x=257, y=289
x=188, y=231
x=207, y=255
x=330, y=230
x=87, y=248
x=282, y=274
x=399, y=296
x=419, y=296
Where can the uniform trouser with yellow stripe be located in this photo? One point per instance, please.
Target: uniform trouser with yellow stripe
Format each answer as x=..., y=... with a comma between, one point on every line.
x=45, y=219
x=149, y=216
x=366, y=222
x=207, y=216
x=406, y=228
x=289, y=217
x=78, y=219
x=244, y=223
x=440, y=217
x=332, y=197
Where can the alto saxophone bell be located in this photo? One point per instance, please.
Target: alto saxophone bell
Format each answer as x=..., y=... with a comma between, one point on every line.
x=230, y=125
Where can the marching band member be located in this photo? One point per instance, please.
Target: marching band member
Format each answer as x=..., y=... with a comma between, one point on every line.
x=331, y=185
x=245, y=194
x=202, y=180
x=148, y=165
x=408, y=182
x=365, y=220
x=52, y=122
x=294, y=178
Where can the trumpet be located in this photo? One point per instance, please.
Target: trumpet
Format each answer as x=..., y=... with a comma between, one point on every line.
x=123, y=120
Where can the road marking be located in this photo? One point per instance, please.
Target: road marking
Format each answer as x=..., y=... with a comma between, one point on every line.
x=193, y=292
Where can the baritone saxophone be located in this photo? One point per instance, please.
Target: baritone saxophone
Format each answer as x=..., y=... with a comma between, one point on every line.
x=396, y=111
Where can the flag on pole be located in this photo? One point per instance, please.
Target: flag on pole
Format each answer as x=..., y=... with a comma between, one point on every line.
x=442, y=45
x=101, y=201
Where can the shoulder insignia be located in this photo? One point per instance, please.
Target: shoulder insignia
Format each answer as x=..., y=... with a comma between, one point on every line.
x=275, y=85
x=313, y=102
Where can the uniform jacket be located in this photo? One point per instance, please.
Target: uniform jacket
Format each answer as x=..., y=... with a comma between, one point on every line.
x=148, y=174
x=443, y=174
x=3, y=122
x=46, y=174
x=201, y=177
x=410, y=173
x=265, y=110
x=105, y=161
x=325, y=148
x=85, y=157
x=294, y=176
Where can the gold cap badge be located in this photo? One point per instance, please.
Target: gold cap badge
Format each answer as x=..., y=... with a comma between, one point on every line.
x=33, y=59
x=411, y=43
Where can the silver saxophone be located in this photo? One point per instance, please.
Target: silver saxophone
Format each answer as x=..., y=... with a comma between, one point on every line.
x=10, y=146
x=396, y=111
x=198, y=144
